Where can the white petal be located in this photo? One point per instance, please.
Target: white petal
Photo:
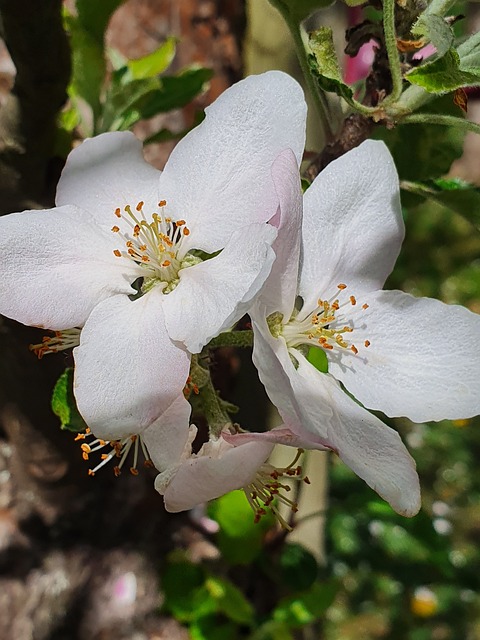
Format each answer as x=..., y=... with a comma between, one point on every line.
x=56, y=265
x=107, y=172
x=352, y=224
x=165, y=439
x=127, y=370
x=203, y=478
x=280, y=289
x=422, y=362
x=370, y=448
x=293, y=399
x=214, y=294
x=218, y=177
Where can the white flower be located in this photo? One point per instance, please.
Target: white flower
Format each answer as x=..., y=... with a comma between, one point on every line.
x=395, y=353
x=223, y=464
x=194, y=238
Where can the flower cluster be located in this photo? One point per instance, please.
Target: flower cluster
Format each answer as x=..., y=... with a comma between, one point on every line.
x=139, y=270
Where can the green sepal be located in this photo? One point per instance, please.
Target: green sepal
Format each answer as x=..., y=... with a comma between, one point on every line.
x=444, y=74
x=324, y=63
x=435, y=30
x=64, y=405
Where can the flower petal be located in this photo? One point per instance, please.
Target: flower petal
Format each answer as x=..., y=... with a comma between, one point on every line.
x=282, y=384
x=352, y=224
x=280, y=289
x=214, y=294
x=204, y=478
x=165, y=438
x=107, y=172
x=56, y=265
x=422, y=361
x=127, y=370
x=218, y=177
x=372, y=450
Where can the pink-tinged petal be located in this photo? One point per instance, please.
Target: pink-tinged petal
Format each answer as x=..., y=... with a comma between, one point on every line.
x=107, y=172
x=422, y=360
x=166, y=438
x=56, y=265
x=127, y=370
x=280, y=289
x=295, y=402
x=204, y=478
x=214, y=294
x=372, y=450
x=292, y=437
x=218, y=178
x=352, y=224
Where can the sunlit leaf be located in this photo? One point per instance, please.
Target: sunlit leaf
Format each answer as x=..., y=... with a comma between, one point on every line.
x=324, y=63
x=443, y=75
x=64, y=405
x=154, y=63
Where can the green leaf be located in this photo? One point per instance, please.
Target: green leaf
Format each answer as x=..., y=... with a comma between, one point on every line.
x=88, y=66
x=272, y=630
x=434, y=29
x=230, y=600
x=298, y=566
x=443, y=75
x=94, y=16
x=240, y=539
x=318, y=358
x=123, y=102
x=400, y=544
x=153, y=64
x=469, y=52
x=176, y=91
x=455, y=194
x=183, y=584
x=211, y=628
x=324, y=64
x=305, y=608
x=64, y=405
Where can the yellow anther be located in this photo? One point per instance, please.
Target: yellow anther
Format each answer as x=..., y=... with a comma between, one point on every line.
x=115, y=229
x=367, y=343
x=139, y=206
x=341, y=286
x=353, y=300
x=117, y=253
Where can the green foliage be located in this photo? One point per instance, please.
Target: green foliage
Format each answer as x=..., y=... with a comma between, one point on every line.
x=134, y=91
x=434, y=29
x=305, y=608
x=240, y=539
x=324, y=64
x=64, y=405
x=318, y=358
x=455, y=194
x=299, y=568
x=443, y=74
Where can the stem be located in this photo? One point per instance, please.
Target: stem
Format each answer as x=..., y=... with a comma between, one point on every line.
x=317, y=94
x=392, y=51
x=411, y=99
x=448, y=121
x=232, y=339
x=215, y=415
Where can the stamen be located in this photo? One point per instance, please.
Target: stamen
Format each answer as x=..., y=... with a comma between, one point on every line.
x=325, y=327
x=66, y=339
x=119, y=449
x=266, y=490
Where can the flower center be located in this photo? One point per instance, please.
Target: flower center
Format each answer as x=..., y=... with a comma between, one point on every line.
x=268, y=488
x=119, y=449
x=328, y=326
x=156, y=244
x=61, y=340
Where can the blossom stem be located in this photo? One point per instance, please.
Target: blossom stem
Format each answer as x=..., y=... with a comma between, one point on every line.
x=213, y=410
x=392, y=51
x=319, y=96
x=232, y=339
x=448, y=121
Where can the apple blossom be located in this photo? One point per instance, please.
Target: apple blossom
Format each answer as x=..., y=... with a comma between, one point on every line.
x=153, y=265
x=395, y=353
x=231, y=461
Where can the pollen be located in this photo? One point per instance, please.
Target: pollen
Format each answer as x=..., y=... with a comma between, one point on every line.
x=153, y=242
x=269, y=490
x=119, y=450
x=60, y=341
x=328, y=327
